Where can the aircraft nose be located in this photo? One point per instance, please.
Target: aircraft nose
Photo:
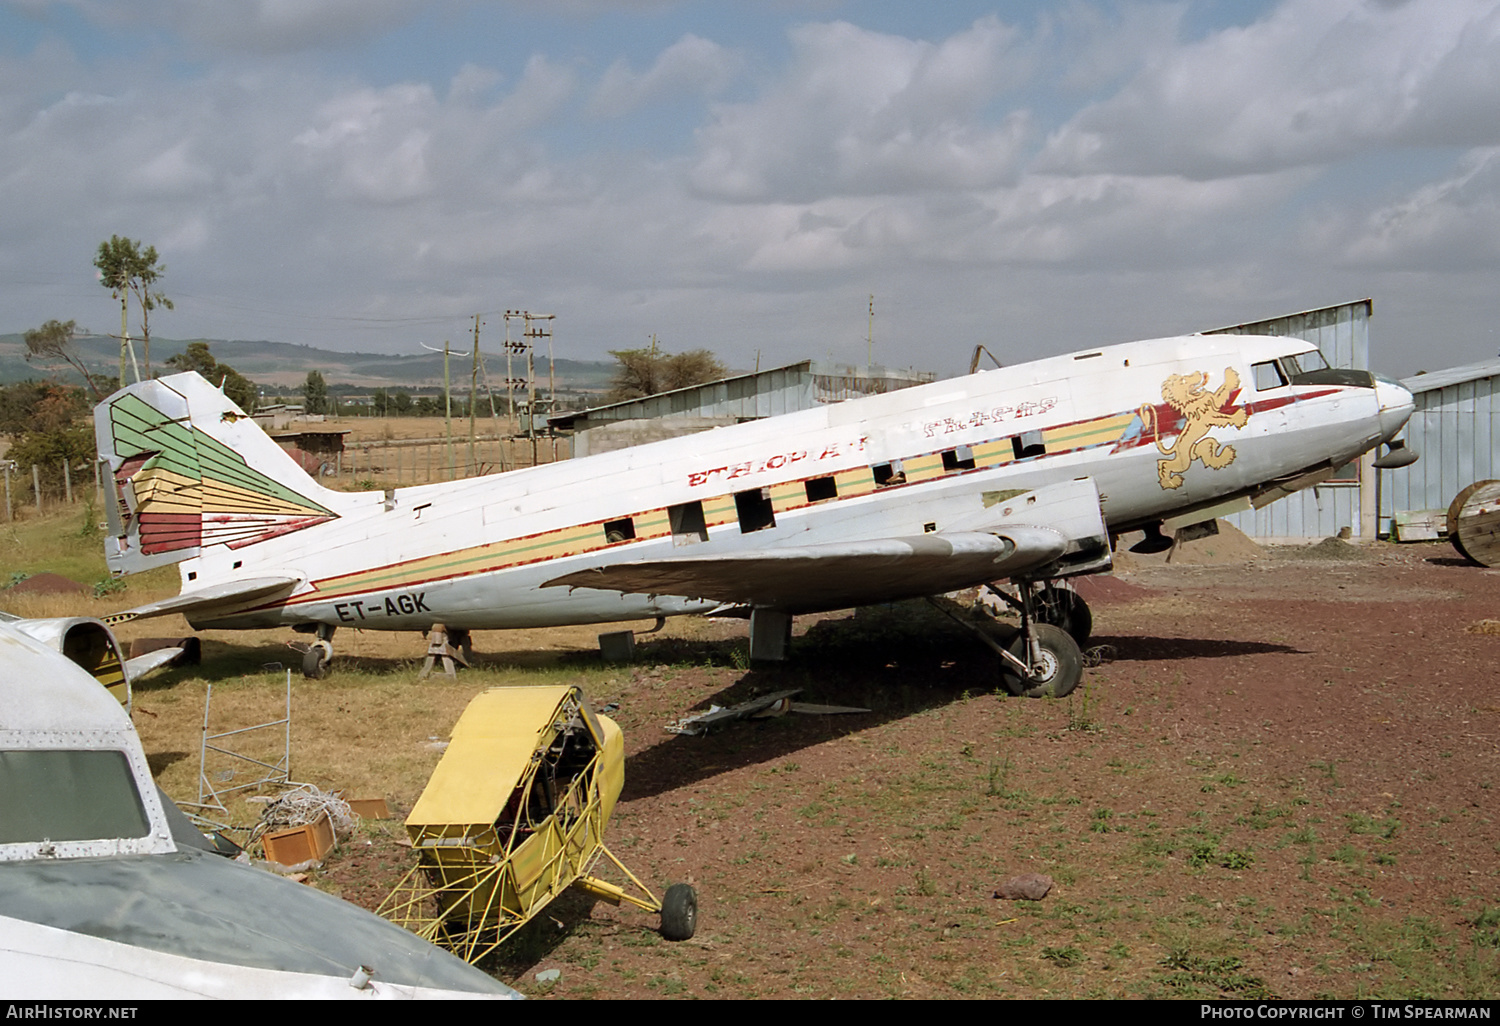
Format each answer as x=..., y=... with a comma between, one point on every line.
x=1396, y=406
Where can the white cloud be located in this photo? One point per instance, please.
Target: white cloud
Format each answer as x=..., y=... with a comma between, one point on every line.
x=1452, y=224
x=1312, y=82
x=691, y=65
x=1212, y=185
x=860, y=112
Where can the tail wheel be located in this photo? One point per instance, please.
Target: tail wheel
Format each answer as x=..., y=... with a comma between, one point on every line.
x=316, y=659
x=679, y=913
x=1056, y=673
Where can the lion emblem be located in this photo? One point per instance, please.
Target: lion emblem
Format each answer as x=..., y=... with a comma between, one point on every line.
x=1201, y=411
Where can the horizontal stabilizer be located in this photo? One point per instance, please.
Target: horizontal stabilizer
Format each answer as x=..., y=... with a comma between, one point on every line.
x=220, y=596
x=139, y=666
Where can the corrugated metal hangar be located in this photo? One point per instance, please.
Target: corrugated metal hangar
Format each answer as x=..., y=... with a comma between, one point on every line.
x=1456, y=433
x=767, y=393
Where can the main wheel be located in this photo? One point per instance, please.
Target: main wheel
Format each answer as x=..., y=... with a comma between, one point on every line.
x=1060, y=668
x=679, y=912
x=1065, y=608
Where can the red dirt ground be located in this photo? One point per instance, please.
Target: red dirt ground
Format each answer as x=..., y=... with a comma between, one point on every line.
x=1279, y=782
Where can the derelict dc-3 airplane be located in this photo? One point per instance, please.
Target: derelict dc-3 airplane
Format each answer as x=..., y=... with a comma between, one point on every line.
x=1024, y=472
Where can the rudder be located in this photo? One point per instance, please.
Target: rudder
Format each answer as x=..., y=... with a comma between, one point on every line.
x=188, y=469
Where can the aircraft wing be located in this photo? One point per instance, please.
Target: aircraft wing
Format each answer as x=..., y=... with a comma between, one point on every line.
x=1018, y=534
x=214, y=597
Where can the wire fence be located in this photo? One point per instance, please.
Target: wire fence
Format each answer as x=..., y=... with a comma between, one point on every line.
x=391, y=463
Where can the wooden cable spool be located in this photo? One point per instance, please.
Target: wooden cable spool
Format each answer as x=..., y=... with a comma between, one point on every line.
x=1474, y=523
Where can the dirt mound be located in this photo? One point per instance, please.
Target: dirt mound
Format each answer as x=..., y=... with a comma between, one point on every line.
x=1216, y=542
x=1328, y=548
x=47, y=584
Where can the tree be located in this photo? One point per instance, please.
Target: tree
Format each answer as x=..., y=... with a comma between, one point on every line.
x=644, y=372
x=127, y=270
x=50, y=342
x=240, y=389
x=315, y=393
x=44, y=422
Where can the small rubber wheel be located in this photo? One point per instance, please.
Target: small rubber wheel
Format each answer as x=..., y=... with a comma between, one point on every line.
x=679, y=913
x=1061, y=665
x=315, y=662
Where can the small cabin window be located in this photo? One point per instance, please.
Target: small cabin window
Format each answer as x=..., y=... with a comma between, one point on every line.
x=619, y=530
x=688, y=525
x=961, y=458
x=821, y=488
x=754, y=509
x=888, y=474
x=1028, y=444
x=1268, y=376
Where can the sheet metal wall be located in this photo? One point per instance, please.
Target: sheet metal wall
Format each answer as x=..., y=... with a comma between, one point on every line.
x=1456, y=433
x=769, y=393
x=1343, y=334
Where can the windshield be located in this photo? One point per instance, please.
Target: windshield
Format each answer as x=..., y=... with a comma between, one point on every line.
x=60, y=795
x=1305, y=363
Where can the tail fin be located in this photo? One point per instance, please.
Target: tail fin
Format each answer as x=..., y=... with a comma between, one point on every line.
x=189, y=469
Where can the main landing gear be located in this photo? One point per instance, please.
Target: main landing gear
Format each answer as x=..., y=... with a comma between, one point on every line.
x=1046, y=659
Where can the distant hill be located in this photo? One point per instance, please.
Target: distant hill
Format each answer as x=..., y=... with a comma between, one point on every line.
x=286, y=365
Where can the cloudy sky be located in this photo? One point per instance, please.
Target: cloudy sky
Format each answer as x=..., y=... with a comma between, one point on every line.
x=742, y=176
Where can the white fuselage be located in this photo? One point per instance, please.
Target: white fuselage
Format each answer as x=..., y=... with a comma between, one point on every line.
x=475, y=554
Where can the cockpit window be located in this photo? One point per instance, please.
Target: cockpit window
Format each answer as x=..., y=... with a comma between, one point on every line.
x=1268, y=376
x=60, y=795
x=1304, y=363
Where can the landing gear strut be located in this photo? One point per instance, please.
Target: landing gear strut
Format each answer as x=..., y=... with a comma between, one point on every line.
x=1052, y=604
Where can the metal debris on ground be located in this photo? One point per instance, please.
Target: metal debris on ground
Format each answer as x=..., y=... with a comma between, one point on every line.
x=1098, y=655
x=778, y=703
x=765, y=705
x=814, y=709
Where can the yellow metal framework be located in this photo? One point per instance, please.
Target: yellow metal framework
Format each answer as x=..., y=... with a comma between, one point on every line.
x=475, y=885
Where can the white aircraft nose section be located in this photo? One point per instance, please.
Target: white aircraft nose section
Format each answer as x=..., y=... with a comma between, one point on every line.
x=1396, y=407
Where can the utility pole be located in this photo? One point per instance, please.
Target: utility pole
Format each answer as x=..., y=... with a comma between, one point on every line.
x=474, y=397
x=447, y=401
x=870, y=335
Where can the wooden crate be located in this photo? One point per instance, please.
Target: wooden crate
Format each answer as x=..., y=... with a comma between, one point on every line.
x=299, y=844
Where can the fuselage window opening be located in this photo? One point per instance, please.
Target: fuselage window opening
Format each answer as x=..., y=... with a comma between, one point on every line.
x=1027, y=445
x=688, y=524
x=619, y=530
x=888, y=474
x=961, y=458
x=821, y=488
x=1268, y=376
x=754, y=510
